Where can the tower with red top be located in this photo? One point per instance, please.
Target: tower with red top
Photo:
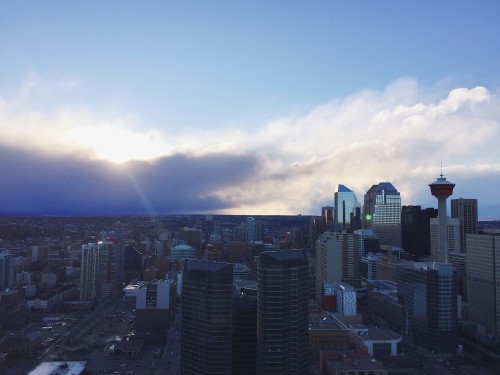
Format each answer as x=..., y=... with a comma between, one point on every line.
x=442, y=189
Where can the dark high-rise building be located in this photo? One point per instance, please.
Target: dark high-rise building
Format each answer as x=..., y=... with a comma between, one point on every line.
x=244, y=336
x=327, y=215
x=429, y=292
x=282, y=313
x=465, y=210
x=316, y=228
x=207, y=313
x=483, y=282
x=415, y=230
x=382, y=213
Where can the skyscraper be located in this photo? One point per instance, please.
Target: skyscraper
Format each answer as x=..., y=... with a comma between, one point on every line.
x=316, y=228
x=90, y=280
x=207, y=313
x=382, y=213
x=465, y=210
x=6, y=270
x=483, y=280
x=282, y=313
x=345, y=206
x=327, y=215
x=111, y=260
x=254, y=230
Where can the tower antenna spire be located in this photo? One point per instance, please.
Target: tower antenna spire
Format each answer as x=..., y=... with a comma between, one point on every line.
x=441, y=169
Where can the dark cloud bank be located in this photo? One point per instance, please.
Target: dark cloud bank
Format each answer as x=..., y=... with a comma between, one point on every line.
x=49, y=185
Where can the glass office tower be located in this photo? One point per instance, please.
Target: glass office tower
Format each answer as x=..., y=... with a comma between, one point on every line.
x=382, y=213
x=345, y=208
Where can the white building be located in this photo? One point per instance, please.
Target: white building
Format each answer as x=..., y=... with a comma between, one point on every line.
x=154, y=295
x=378, y=341
x=346, y=299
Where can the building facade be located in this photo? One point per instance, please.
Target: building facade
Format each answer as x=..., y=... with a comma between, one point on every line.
x=345, y=208
x=90, y=279
x=429, y=292
x=6, y=270
x=465, y=210
x=382, y=213
x=415, y=230
x=452, y=243
x=483, y=281
x=282, y=313
x=207, y=314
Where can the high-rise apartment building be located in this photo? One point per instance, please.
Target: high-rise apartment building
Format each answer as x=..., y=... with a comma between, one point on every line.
x=112, y=263
x=465, y=210
x=337, y=260
x=429, y=292
x=483, y=280
x=6, y=270
x=90, y=279
x=345, y=208
x=382, y=213
x=207, y=313
x=415, y=230
x=328, y=262
x=282, y=313
x=254, y=230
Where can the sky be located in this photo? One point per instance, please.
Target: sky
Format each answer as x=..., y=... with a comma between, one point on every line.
x=245, y=107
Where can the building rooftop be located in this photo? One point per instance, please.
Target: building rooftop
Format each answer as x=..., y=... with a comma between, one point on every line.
x=382, y=186
x=289, y=255
x=60, y=368
x=343, y=189
x=370, y=333
x=205, y=265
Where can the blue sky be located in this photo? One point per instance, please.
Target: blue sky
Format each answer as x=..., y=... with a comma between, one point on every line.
x=287, y=99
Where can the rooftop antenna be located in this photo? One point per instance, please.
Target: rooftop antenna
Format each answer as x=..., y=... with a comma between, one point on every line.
x=441, y=169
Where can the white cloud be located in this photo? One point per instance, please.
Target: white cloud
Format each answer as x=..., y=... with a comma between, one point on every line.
x=397, y=135
x=400, y=135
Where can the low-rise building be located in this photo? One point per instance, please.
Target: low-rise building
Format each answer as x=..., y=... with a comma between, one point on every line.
x=378, y=341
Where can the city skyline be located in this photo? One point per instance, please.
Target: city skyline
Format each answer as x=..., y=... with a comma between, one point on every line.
x=246, y=108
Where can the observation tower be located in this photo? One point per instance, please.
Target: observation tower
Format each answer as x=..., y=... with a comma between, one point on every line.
x=442, y=189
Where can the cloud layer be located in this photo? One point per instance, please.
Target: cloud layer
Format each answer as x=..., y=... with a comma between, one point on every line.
x=52, y=156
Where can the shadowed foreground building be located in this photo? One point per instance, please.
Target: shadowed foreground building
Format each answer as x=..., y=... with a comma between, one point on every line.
x=429, y=292
x=483, y=282
x=207, y=313
x=282, y=313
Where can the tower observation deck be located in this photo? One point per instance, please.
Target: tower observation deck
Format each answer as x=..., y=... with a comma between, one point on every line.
x=442, y=189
